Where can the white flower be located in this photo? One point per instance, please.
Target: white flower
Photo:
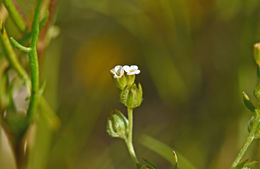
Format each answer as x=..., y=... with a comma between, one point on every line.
x=117, y=71
x=131, y=70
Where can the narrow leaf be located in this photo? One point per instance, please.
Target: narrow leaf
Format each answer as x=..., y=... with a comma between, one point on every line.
x=166, y=152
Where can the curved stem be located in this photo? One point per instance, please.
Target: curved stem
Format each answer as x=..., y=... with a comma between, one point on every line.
x=19, y=46
x=129, y=139
x=34, y=65
x=247, y=143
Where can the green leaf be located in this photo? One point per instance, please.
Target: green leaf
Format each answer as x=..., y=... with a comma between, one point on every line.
x=166, y=152
x=49, y=116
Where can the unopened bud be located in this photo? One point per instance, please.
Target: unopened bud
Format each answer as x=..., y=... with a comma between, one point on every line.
x=257, y=53
x=248, y=103
x=132, y=96
x=117, y=125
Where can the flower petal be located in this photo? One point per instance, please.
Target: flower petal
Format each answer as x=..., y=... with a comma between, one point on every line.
x=126, y=68
x=117, y=71
x=134, y=67
x=137, y=72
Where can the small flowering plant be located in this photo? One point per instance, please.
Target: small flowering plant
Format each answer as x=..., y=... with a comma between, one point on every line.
x=254, y=122
x=118, y=125
x=131, y=96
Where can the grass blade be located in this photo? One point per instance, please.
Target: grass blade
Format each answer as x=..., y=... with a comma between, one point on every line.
x=166, y=152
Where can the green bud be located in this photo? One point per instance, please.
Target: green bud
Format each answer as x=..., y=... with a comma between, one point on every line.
x=130, y=80
x=121, y=82
x=257, y=53
x=248, y=103
x=117, y=125
x=132, y=96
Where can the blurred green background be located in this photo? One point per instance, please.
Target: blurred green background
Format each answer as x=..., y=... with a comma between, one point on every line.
x=195, y=57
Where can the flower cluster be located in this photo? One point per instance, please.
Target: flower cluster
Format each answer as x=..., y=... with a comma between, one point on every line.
x=118, y=125
x=124, y=76
x=131, y=94
x=118, y=71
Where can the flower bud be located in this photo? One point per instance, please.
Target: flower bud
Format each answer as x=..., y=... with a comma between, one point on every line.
x=117, y=125
x=248, y=103
x=257, y=53
x=132, y=96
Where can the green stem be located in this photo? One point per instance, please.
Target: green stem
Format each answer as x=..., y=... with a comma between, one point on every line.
x=15, y=15
x=19, y=46
x=129, y=139
x=11, y=56
x=247, y=143
x=34, y=64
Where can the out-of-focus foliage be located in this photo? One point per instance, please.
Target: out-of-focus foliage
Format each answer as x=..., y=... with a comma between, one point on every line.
x=195, y=59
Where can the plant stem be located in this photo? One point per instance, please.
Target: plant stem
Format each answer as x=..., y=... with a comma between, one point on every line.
x=19, y=46
x=10, y=54
x=34, y=65
x=129, y=139
x=247, y=143
x=15, y=15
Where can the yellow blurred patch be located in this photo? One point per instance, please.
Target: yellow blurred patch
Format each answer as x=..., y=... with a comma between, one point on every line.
x=96, y=57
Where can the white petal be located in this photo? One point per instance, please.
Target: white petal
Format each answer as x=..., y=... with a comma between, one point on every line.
x=126, y=68
x=131, y=73
x=113, y=71
x=117, y=71
x=137, y=72
x=120, y=72
x=134, y=67
x=117, y=67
